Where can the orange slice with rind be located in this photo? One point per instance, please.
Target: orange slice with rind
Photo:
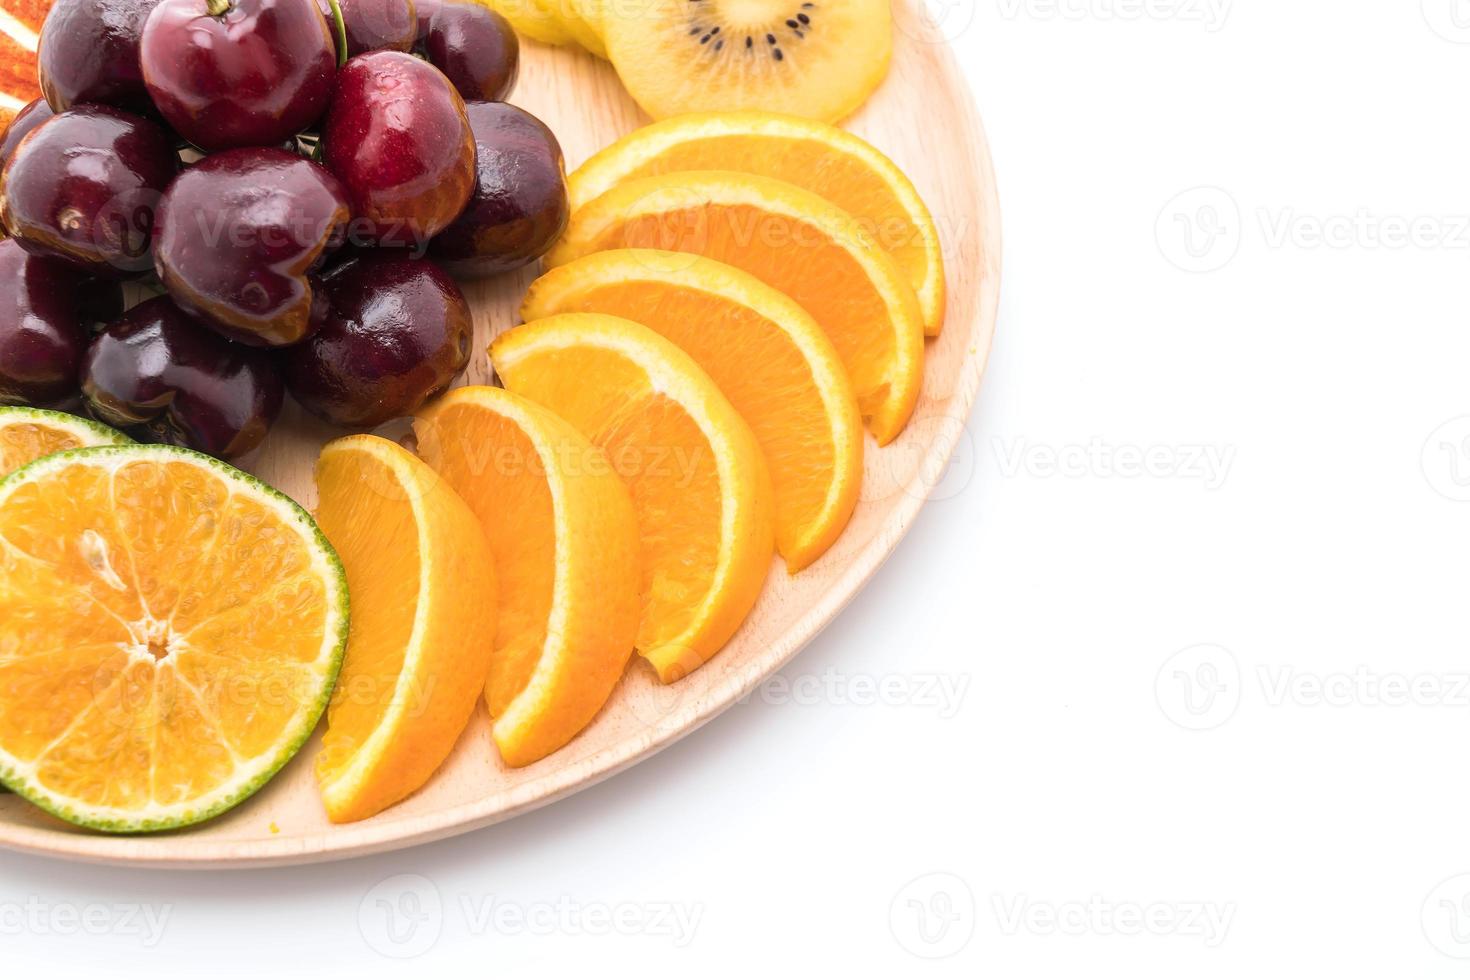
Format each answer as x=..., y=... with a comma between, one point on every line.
x=27, y=434
x=564, y=538
x=768, y=357
x=170, y=630
x=826, y=160
x=794, y=241
x=423, y=586
x=692, y=466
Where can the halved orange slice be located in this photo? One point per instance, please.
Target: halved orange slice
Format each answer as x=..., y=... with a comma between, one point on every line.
x=564, y=538
x=795, y=242
x=828, y=161
x=694, y=469
x=27, y=434
x=766, y=354
x=423, y=588
x=170, y=629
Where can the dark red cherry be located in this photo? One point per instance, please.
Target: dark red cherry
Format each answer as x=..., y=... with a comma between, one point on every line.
x=375, y=25
x=83, y=187
x=397, y=136
x=519, y=207
x=392, y=332
x=89, y=53
x=26, y=120
x=237, y=234
x=425, y=9
x=227, y=73
x=158, y=368
x=42, y=327
x=476, y=49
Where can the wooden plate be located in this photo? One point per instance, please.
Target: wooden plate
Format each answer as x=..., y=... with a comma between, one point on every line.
x=924, y=119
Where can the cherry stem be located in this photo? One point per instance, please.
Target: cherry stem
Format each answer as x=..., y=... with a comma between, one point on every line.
x=339, y=27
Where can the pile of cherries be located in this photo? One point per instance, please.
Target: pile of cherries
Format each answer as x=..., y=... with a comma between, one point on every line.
x=297, y=178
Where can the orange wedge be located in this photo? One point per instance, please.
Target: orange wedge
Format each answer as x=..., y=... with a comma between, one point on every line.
x=766, y=355
x=423, y=594
x=27, y=434
x=828, y=161
x=170, y=630
x=792, y=240
x=699, y=485
x=565, y=542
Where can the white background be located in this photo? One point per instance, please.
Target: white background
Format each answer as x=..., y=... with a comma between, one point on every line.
x=1201, y=715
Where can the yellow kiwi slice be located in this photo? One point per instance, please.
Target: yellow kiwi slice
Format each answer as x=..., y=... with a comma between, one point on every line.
x=820, y=59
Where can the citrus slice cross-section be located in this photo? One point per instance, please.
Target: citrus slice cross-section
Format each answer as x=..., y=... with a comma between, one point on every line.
x=766, y=355
x=564, y=539
x=27, y=434
x=792, y=240
x=699, y=484
x=828, y=161
x=170, y=629
x=423, y=588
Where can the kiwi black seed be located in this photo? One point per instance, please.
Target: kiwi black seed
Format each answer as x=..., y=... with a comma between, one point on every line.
x=791, y=28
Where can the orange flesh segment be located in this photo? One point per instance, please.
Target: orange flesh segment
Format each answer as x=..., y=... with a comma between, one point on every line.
x=381, y=533
x=767, y=356
x=25, y=441
x=801, y=262
x=487, y=456
x=844, y=179
x=677, y=496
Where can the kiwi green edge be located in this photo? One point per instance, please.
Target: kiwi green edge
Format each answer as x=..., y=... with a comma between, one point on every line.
x=292, y=742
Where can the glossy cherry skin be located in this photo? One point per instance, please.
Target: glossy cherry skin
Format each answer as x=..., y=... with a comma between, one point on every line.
x=42, y=333
x=237, y=234
x=25, y=120
x=476, y=49
x=375, y=25
x=89, y=53
x=158, y=368
x=255, y=75
x=84, y=187
x=519, y=208
x=425, y=9
x=398, y=138
x=392, y=332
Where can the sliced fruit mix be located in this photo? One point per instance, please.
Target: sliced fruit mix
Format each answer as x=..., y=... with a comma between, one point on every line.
x=729, y=296
x=699, y=483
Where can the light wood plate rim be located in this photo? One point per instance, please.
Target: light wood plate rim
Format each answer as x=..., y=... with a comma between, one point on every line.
x=387, y=833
